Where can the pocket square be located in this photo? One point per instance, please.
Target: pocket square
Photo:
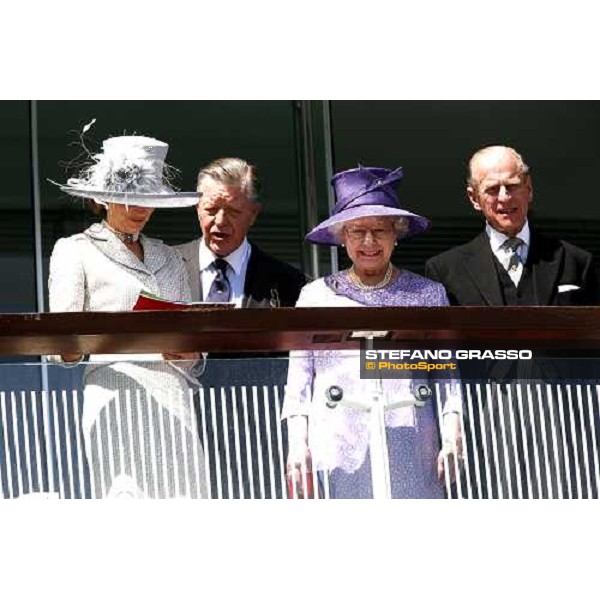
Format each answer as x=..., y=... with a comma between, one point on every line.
x=567, y=288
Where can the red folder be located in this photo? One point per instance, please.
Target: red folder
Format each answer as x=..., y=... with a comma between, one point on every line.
x=147, y=301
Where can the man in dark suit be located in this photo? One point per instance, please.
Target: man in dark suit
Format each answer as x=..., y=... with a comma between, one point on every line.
x=223, y=266
x=511, y=264
x=226, y=212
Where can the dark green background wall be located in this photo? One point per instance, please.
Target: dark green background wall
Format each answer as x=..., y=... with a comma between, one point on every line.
x=432, y=140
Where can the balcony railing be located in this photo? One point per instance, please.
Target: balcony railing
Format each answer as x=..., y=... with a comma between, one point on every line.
x=523, y=436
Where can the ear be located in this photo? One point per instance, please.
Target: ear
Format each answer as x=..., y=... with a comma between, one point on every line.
x=472, y=195
x=256, y=208
x=530, y=186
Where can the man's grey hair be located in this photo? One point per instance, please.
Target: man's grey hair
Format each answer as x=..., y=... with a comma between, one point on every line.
x=522, y=166
x=400, y=225
x=233, y=171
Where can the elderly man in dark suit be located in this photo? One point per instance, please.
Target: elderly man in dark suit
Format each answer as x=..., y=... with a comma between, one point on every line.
x=223, y=266
x=511, y=264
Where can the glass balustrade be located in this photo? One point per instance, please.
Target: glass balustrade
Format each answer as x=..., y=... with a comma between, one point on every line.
x=225, y=438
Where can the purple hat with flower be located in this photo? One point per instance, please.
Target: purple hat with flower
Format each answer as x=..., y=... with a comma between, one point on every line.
x=365, y=192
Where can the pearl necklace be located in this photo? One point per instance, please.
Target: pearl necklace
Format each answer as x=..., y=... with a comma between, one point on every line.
x=126, y=238
x=355, y=279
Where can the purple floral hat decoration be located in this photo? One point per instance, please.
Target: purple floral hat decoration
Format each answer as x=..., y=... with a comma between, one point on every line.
x=365, y=192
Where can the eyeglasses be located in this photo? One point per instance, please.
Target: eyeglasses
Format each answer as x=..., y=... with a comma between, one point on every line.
x=360, y=233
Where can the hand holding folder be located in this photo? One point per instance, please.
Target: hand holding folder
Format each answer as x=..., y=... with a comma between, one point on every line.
x=148, y=301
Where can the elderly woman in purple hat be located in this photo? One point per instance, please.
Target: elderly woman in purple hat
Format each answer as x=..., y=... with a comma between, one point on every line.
x=333, y=439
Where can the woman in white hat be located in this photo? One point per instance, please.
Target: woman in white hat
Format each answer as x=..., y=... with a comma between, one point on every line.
x=138, y=423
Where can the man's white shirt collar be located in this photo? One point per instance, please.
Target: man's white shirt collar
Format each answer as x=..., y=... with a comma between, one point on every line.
x=504, y=254
x=497, y=239
x=235, y=260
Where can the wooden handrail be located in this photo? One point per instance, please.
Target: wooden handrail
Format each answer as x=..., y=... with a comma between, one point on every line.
x=259, y=330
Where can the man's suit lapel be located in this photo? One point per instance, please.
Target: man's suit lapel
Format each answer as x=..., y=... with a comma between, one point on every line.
x=256, y=287
x=259, y=291
x=191, y=256
x=480, y=266
x=544, y=261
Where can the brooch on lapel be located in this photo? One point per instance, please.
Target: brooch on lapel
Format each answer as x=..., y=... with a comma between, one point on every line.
x=275, y=302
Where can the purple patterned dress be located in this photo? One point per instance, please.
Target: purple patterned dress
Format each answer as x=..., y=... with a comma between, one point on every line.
x=339, y=438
